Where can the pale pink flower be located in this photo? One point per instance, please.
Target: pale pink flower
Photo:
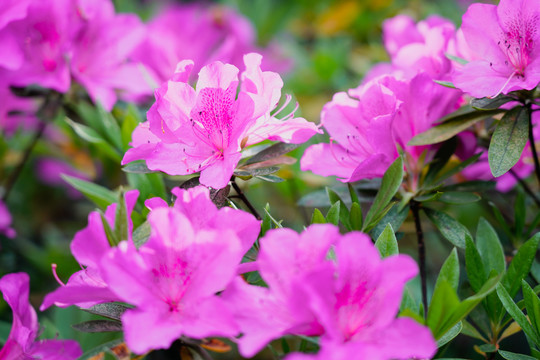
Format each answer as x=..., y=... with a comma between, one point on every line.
x=506, y=38
x=87, y=287
x=21, y=343
x=172, y=281
x=205, y=129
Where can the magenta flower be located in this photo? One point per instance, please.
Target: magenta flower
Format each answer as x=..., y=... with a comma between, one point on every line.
x=205, y=129
x=203, y=214
x=87, y=287
x=507, y=39
x=361, y=144
x=285, y=259
x=21, y=343
x=357, y=302
x=172, y=280
x=100, y=52
x=12, y=54
x=5, y=221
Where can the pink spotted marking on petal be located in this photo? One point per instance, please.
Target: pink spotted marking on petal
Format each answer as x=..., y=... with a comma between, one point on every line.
x=173, y=283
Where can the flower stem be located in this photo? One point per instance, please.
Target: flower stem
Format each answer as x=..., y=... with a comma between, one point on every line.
x=244, y=199
x=415, y=208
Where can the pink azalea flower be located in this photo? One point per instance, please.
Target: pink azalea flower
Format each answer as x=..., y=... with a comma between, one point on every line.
x=12, y=54
x=172, y=280
x=39, y=45
x=223, y=35
x=21, y=343
x=205, y=129
x=357, y=303
x=196, y=205
x=101, y=49
x=5, y=221
x=87, y=287
x=285, y=258
x=419, y=47
x=361, y=139
x=506, y=38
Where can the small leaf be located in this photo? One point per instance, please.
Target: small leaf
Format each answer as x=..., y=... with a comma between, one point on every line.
x=96, y=326
x=487, y=348
x=121, y=224
x=532, y=304
x=443, y=302
x=458, y=198
x=355, y=217
x=447, y=84
x=450, y=228
x=272, y=152
x=137, y=167
x=450, y=335
x=390, y=185
x=111, y=128
x=456, y=59
x=508, y=140
x=141, y=234
x=490, y=103
x=450, y=270
x=270, y=178
x=99, y=195
x=318, y=217
x=520, y=265
x=474, y=265
x=516, y=314
x=489, y=247
x=109, y=233
x=394, y=217
x=352, y=193
x=332, y=217
x=428, y=197
x=451, y=127
x=513, y=356
x=93, y=137
x=387, y=242
x=255, y=172
x=112, y=311
x=343, y=211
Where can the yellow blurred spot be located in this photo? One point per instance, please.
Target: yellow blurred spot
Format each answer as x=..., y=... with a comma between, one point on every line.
x=338, y=17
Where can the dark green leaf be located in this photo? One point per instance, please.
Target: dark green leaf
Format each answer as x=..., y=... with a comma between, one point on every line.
x=387, y=242
x=93, y=137
x=450, y=228
x=450, y=335
x=270, y=178
x=520, y=213
x=343, y=211
x=99, y=195
x=390, y=185
x=490, y=248
x=450, y=271
x=271, y=152
x=487, y=348
x=513, y=356
x=109, y=233
x=332, y=217
x=141, y=234
x=112, y=311
x=443, y=302
x=355, y=217
x=434, y=196
x=474, y=265
x=394, y=217
x=137, y=167
x=110, y=127
x=443, y=154
x=532, y=304
x=97, y=326
x=520, y=265
x=256, y=172
x=508, y=140
x=458, y=198
x=490, y=103
x=451, y=127
x=516, y=314
x=318, y=217
x=352, y=193
x=121, y=224
x=456, y=169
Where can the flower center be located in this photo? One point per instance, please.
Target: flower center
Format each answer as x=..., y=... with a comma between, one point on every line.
x=517, y=42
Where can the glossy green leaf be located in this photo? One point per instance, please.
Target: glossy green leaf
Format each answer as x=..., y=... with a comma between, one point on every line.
x=111, y=128
x=343, y=211
x=516, y=314
x=270, y=178
x=447, y=84
x=451, y=127
x=450, y=228
x=387, y=242
x=458, y=197
x=450, y=335
x=532, y=304
x=332, y=217
x=352, y=193
x=137, y=167
x=514, y=356
x=491, y=103
x=443, y=302
x=490, y=247
x=355, y=217
x=520, y=265
x=457, y=59
x=317, y=217
x=141, y=234
x=508, y=140
x=93, y=137
x=99, y=195
x=394, y=217
x=389, y=186
x=474, y=265
x=450, y=270
x=271, y=152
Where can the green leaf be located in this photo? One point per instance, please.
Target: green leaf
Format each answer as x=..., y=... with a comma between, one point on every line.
x=508, y=140
x=332, y=217
x=440, y=159
x=109, y=233
x=113, y=311
x=447, y=84
x=246, y=173
x=532, y=304
x=317, y=217
x=513, y=356
x=520, y=265
x=137, y=167
x=474, y=265
x=489, y=247
x=434, y=196
x=111, y=128
x=141, y=234
x=471, y=331
x=456, y=169
x=516, y=314
x=93, y=137
x=149, y=185
x=490, y=103
x=91, y=354
x=121, y=219
x=355, y=217
x=394, y=217
x=450, y=270
x=456, y=59
x=387, y=242
x=343, y=211
x=450, y=228
x=443, y=302
x=389, y=186
x=270, y=178
x=99, y=195
x=271, y=152
x=458, y=197
x=450, y=335
x=97, y=326
x=352, y=193
x=451, y=127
